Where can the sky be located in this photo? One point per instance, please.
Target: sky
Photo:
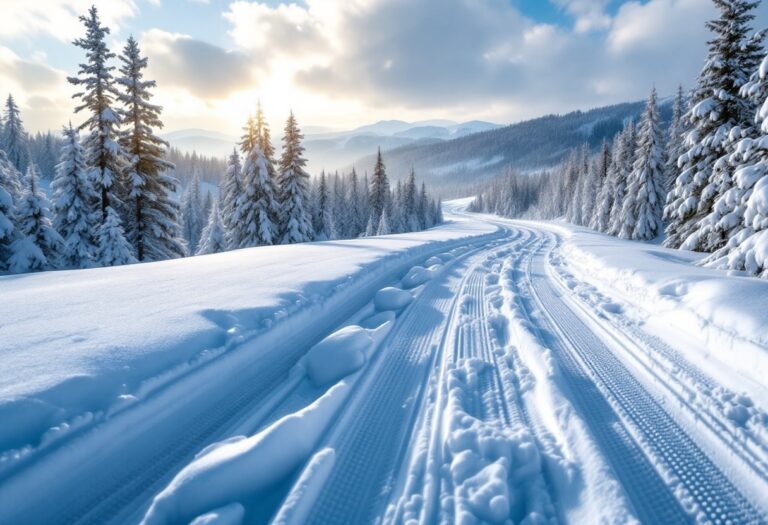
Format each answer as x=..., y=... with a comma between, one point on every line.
x=343, y=63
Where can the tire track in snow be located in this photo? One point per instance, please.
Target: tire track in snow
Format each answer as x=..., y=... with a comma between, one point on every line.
x=608, y=395
x=370, y=439
x=725, y=414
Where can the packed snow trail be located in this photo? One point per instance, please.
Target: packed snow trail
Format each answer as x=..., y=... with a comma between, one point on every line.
x=505, y=387
x=370, y=440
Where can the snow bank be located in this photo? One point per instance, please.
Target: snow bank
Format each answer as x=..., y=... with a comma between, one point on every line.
x=236, y=469
x=297, y=506
x=79, y=345
x=391, y=298
x=338, y=355
x=419, y=275
x=230, y=515
x=727, y=314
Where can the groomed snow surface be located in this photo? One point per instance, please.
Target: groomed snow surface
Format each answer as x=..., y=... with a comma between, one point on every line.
x=486, y=371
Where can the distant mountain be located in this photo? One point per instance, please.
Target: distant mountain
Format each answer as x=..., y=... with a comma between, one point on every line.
x=478, y=154
x=204, y=142
x=338, y=150
x=333, y=150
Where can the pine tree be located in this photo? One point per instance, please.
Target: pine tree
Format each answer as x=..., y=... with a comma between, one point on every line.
x=103, y=154
x=379, y=192
x=213, y=239
x=10, y=178
x=39, y=245
x=295, y=220
x=113, y=249
x=354, y=219
x=644, y=202
x=15, y=141
x=76, y=216
x=250, y=136
x=422, y=207
x=409, y=197
x=8, y=228
x=716, y=111
x=675, y=140
x=608, y=164
x=626, y=160
x=231, y=190
x=384, y=226
x=257, y=206
x=154, y=230
x=322, y=223
x=191, y=207
x=370, y=227
x=744, y=208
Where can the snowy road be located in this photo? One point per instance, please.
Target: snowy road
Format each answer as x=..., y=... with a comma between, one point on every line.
x=505, y=387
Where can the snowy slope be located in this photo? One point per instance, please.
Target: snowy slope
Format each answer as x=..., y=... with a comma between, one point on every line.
x=79, y=342
x=489, y=371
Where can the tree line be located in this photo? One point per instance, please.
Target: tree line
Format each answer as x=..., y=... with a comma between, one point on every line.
x=702, y=182
x=114, y=199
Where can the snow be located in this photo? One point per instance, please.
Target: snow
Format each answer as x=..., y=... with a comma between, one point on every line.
x=338, y=355
x=419, y=275
x=391, y=298
x=96, y=352
x=231, y=514
x=236, y=469
x=725, y=316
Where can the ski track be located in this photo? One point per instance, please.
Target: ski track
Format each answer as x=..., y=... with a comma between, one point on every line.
x=370, y=438
x=121, y=493
x=390, y=440
x=653, y=456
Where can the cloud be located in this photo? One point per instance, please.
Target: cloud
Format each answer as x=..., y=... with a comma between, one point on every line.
x=59, y=18
x=477, y=57
x=589, y=15
x=41, y=91
x=202, y=69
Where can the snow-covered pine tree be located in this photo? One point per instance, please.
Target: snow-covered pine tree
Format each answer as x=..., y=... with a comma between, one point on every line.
x=15, y=141
x=716, y=109
x=191, y=208
x=322, y=211
x=607, y=177
x=644, y=202
x=231, y=190
x=103, y=154
x=746, y=203
x=76, y=216
x=8, y=228
x=626, y=160
x=39, y=246
x=439, y=212
x=339, y=209
x=250, y=136
x=154, y=231
x=384, y=227
x=675, y=140
x=591, y=189
x=379, y=192
x=422, y=207
x=356, y=220
x=295, y=220
x=265, y=143
x=257, y=206
x=572, y=193
x=10, y=178
x=47, y=157
x=114, y=249
x=409, y=198
x=213, y=238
